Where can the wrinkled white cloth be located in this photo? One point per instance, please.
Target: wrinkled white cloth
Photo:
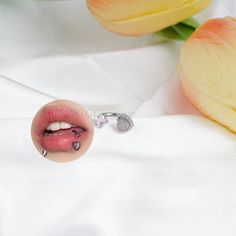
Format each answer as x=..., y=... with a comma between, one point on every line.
x=174, y=174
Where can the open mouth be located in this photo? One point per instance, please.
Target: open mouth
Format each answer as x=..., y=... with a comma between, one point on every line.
x=62, y=126
x=62, y=136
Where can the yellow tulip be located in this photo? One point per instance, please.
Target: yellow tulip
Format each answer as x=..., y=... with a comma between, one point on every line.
x=208, y=70
x=139, y=17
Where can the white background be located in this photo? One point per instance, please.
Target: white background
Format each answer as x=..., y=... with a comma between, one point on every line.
x=174, y=174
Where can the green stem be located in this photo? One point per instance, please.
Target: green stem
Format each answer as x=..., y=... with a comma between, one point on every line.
x=180, y=31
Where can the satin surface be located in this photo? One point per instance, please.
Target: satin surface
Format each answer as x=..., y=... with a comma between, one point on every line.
x=173, y=174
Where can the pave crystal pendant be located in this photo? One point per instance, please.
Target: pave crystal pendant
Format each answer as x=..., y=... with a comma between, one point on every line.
x=124, y=123
x=100, y=121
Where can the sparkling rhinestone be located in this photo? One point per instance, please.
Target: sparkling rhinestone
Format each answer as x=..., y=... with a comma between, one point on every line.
x=100, y=121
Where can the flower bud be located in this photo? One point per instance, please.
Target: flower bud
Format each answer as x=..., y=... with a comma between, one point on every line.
x=139, y=17
x=208, y=70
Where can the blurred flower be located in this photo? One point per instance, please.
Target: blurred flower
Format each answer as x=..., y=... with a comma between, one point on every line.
x=208, y=70
x=139, y=17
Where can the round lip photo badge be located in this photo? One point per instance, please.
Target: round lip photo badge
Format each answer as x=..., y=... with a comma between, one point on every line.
x=62, y=131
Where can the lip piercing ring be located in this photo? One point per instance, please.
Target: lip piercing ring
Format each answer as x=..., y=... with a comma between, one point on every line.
x=123, y=121
x=63, y=131
x=44, y=153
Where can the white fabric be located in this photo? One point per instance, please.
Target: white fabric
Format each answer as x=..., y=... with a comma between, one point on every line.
x=174, y=174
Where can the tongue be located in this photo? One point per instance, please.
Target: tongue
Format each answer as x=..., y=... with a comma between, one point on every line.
x=61, y=140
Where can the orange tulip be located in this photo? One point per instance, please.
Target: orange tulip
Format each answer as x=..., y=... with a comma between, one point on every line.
x=208, y=70
x=139, y=17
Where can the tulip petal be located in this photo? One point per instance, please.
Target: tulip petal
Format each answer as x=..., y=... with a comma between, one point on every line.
x=137, y=17
x=207, y=70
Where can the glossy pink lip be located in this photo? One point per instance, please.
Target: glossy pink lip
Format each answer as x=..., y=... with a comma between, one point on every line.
x=62, y=142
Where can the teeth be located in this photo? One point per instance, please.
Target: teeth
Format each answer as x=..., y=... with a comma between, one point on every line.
x=54, y=126
x=65, y=125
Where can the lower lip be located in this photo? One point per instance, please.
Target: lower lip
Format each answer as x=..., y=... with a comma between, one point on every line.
x=59, y=143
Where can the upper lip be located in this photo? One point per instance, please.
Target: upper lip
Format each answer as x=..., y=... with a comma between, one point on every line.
x=55, y=113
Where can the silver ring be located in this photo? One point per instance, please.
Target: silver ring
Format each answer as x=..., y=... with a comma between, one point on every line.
x=123, y=122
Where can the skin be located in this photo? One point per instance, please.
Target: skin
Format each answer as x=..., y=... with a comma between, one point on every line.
x=85, y=122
